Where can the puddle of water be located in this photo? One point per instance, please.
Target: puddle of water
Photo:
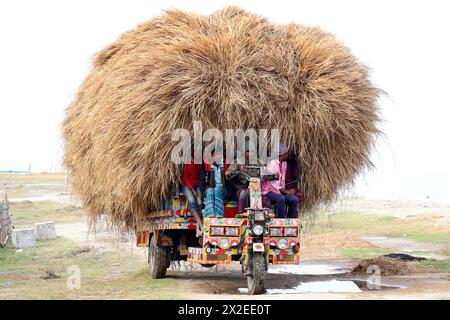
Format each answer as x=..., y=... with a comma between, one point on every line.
x=332, y=286
x=365, y=285
x=311, y=269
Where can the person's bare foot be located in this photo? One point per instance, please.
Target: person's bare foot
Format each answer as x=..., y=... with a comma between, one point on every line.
x=199, y=231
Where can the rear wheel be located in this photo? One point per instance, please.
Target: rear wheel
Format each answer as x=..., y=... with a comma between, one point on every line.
x=158, y=258
x=255, y=281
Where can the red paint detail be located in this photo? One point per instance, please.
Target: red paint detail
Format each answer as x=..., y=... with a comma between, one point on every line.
x=230, y=212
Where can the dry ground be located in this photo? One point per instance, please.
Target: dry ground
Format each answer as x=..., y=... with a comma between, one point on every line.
x=113, y=268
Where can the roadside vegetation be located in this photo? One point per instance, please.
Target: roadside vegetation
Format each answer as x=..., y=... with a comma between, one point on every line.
x=26, y=213
x=42, y=273
x=355, y=226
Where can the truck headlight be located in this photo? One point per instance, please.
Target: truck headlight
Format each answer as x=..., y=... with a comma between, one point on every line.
x=224, y=244
x=283, y=244
x=257, y=230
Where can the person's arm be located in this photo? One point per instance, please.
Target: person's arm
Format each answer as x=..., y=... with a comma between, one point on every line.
x=299, y=176
x=288, y=192
x=268, y=175
x=202, y=179
x=232, y=168
x=273, y=167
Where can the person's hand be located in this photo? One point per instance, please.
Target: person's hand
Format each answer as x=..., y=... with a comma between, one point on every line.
x=289, y=192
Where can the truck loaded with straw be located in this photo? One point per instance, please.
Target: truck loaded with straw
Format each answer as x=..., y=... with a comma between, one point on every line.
x=229, y=70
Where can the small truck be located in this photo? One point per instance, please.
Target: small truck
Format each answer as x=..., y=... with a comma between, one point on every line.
x=255, y=238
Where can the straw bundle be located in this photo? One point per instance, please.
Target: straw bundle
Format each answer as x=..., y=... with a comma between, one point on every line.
x=230, y=69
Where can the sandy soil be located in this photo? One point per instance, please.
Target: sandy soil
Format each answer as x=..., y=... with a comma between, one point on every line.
x=102, y=241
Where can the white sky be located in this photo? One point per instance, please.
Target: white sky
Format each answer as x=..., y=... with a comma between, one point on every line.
x=46, y=50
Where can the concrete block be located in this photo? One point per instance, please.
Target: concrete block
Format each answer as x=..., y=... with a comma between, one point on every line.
x=45, y=231
x=23, y=238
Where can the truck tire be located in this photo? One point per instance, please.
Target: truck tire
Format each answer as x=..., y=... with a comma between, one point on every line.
x=157, y=259
x=255, y=281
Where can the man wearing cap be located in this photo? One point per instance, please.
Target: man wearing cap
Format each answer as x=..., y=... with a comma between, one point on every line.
x=275, y=190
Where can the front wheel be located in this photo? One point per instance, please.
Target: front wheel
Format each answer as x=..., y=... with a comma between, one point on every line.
x=158, y=257
x=255, y=281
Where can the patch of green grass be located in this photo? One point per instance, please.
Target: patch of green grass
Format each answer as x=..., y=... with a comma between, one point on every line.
x=443, y=238
x=438, y=265
x=28, y=259
x=363, y=223
x=363, y=253
x=33, y=178
x=445, y=252
x=418, y=229
x=104, y=275
x=26, y=213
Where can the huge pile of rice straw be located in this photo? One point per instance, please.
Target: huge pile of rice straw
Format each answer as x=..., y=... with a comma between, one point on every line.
x=230, y=69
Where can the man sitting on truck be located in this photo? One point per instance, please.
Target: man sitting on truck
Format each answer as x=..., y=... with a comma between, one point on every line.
x=275, y=191
x=293, y=177
x=211, y=181
x=240, y=182
x=191, y=190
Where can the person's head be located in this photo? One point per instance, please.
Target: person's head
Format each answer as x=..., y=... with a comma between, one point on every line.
x=283, y=152
x=217, y=155
x=250, y=150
